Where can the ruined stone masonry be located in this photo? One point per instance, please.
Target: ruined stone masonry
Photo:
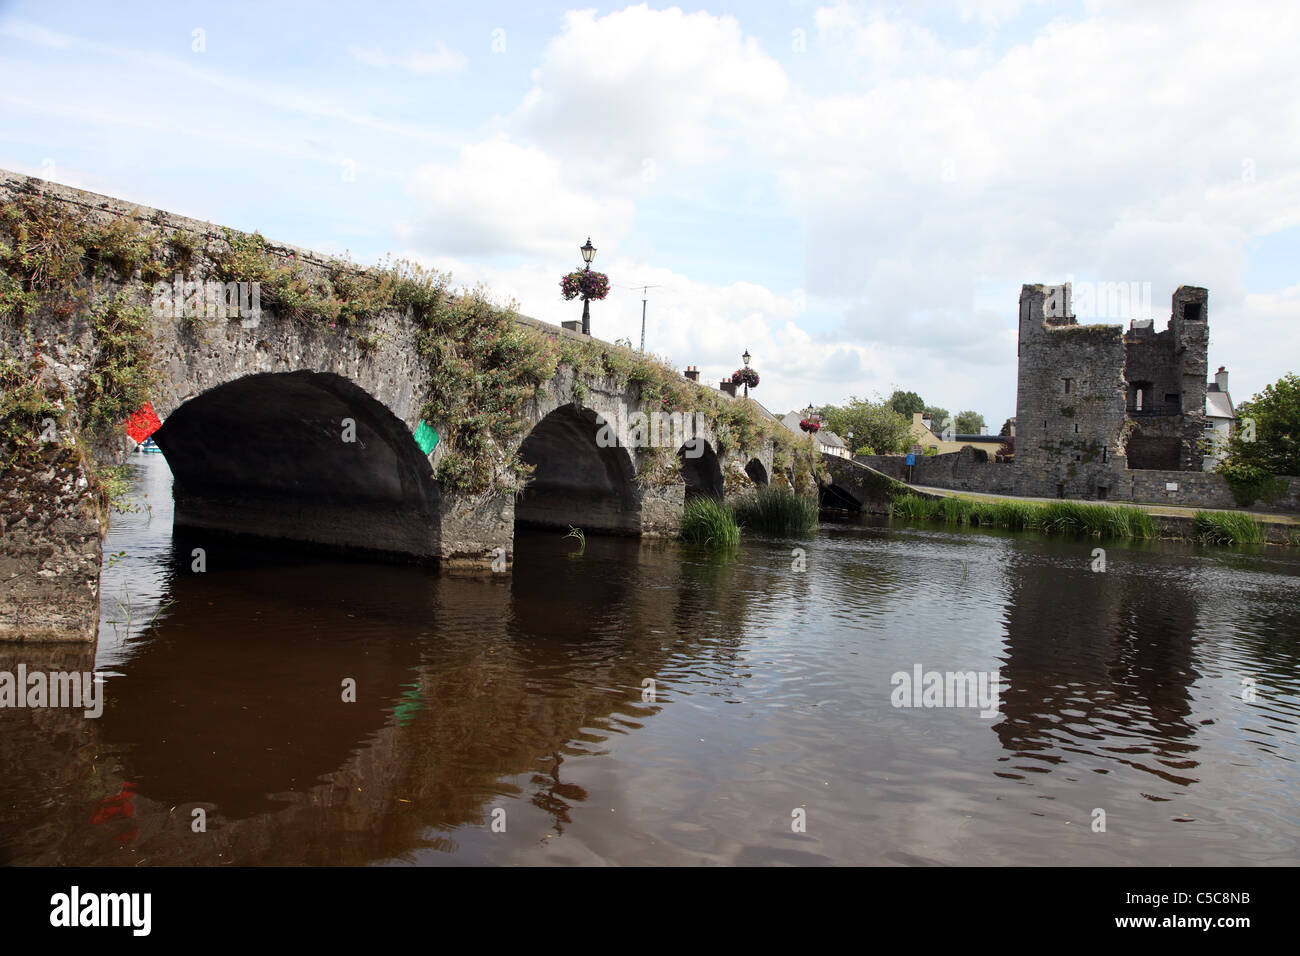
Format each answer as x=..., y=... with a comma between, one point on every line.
x=1094, y=401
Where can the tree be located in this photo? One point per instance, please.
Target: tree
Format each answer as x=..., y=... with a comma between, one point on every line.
x=905, y=403
x=1265, y=441
x=1006, y=428
x=969, y=423
x=873, y=424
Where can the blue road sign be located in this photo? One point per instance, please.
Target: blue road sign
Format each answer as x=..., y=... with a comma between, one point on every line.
x=911, y=460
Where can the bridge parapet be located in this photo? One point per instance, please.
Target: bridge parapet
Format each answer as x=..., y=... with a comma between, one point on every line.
x=297, y=423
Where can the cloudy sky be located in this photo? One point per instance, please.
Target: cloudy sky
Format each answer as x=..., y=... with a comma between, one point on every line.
x=853, y=192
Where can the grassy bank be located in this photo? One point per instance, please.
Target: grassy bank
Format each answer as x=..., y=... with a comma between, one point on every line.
x=1055, y=517
x=1227, y=527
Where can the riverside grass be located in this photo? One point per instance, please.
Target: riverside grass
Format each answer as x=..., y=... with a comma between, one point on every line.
x=1226, y=527
x=709, y=523
x=1055, y=518
x=773, y=510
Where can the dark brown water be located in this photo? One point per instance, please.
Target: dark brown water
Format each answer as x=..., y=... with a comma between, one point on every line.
x=1122, y=691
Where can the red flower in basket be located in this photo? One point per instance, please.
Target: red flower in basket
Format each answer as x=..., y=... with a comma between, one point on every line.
x=810, y=425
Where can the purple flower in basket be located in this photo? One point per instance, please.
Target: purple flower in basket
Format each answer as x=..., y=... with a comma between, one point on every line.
x=585, y=283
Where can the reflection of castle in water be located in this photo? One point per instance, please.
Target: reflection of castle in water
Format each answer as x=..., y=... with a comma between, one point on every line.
x=232, y=702
x=1098, y=669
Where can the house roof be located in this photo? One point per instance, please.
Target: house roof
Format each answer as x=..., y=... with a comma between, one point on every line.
x=1218, y=405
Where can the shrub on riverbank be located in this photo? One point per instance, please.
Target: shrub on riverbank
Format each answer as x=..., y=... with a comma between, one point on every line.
x=1055, y=517
x=709, y=523
x=1226, y=527
x=773, y=510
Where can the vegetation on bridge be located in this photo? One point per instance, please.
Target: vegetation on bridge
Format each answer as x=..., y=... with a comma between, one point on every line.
x=484, y=367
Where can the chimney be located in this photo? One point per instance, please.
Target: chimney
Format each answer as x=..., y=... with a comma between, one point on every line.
x=728, y=386
x=693, y=372
x=1221, y=379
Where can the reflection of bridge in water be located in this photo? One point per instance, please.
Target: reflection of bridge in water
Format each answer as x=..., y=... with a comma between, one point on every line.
x=231, y=702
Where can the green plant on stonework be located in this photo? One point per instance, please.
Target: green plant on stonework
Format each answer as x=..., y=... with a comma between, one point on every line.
x=484, y=368
x=46, y=249
x=285, y=286
x=372, y=340
x=1250, y=481
x=112, y=487
x=41, y=248
x=121, y=373
x=29, y=405
x=582, y=539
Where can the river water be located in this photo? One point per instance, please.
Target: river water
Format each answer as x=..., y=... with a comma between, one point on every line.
x=645, y=703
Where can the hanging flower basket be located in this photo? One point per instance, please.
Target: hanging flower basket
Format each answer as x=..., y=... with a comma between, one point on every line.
x=812, y=427
x=584, y=283
x=745, y=376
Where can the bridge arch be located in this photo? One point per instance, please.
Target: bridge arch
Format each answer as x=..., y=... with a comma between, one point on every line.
x=700, y=469
x=757, y=473
x=575, y=480
x=836, y=497
x=302, y=456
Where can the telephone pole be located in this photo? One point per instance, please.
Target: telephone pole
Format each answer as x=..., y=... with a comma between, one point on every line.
x=644, y=290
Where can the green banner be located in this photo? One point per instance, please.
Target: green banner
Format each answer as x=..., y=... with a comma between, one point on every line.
x=426, y=437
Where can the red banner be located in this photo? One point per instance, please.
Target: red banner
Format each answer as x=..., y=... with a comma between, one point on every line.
x=142, y=423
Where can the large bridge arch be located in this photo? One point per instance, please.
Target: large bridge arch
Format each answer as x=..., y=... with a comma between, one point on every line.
x=701, y=470
x=301, y=456
x=577, y=482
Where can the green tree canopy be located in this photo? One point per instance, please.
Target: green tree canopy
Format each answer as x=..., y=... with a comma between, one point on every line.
x=874, y=425
x=905, y=403
x=1267, y=432
x=969, y=423
x=1006, y=428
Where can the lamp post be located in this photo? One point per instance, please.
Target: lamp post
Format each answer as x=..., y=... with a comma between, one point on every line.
x=745, y=358
x=850, y=437
x=588, y=253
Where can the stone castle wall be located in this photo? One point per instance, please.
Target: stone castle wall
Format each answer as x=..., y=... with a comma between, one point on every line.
x=1079, y=426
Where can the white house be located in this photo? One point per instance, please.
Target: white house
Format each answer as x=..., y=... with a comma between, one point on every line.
x=827, y=440
x=1219, y=416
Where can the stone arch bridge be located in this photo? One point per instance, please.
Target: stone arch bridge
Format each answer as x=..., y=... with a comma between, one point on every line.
x=289, y=432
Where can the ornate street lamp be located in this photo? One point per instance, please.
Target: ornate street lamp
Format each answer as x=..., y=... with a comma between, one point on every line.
x=745, y=376
x=588, y=253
